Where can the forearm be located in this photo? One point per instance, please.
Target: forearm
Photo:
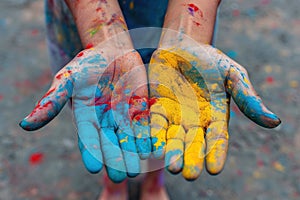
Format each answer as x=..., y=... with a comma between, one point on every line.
x=195, y=18
x=97, y=20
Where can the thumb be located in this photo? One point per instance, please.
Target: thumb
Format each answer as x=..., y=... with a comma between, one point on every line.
x=244, y=95
x=51, y=103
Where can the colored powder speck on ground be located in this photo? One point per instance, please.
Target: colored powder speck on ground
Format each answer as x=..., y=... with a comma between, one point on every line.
x=236, y=13
x=278, y=166
x=36, y=158
x=34, y=32
x=270, y=79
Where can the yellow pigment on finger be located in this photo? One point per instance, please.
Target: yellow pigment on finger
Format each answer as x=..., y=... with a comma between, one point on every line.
x=194, y=153
x=186, y=103
x=217, y=143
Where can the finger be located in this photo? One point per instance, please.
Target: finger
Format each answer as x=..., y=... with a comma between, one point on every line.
x=194, y=153
x=158, y=126
x=217, y=146
x=113, y=157
x=89, y=146
x=217, y=131
x=174, y=148
x=243, y=93
x=127, y=143
x=51, y=103
x=88, y=134
x=140, y=124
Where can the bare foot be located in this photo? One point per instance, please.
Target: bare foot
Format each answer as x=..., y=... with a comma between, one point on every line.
x=153, y=187
x=113, y=191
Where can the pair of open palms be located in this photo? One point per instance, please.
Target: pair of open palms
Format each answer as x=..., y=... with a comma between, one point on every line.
x=185, y=119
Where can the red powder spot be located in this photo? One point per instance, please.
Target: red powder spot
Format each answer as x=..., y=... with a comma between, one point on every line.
x=265, y=2
x=80, y=54
x=296, y=194
x=193, y=6
x=260, y=163
x=137, y=118
x=270, y=79
x=98, y=9
x=89, y=45
x=49, y=103
x=34, y=32
x=106, y=102
x=152, y=101
x=59, y=76
x=236, y=13
x=49, y=92
x=197, y=23
x=36, y=158
x=136, y=97
x=1, y=97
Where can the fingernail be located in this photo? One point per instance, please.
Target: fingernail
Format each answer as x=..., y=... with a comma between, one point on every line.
x=271, y=120
x=24, y=124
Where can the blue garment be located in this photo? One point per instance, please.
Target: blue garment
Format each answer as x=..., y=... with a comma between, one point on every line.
x=144, y=13
x=63, y=39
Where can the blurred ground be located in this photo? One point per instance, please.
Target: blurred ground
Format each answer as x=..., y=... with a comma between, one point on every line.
x=263, y=35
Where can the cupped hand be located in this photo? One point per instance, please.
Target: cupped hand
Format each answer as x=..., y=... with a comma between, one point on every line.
x=191, y=87
x=108, y=88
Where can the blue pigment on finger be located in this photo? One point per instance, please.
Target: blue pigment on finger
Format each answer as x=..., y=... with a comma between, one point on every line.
x=252, y=107
x=143, y=141
x=89, y=146
x=179, y=162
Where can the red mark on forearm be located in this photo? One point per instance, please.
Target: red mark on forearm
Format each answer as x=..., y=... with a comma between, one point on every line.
x=67, y=73
x=98, y=9
x=192, y=9
x=197, y=23
x=89, y=46
x=80, y=54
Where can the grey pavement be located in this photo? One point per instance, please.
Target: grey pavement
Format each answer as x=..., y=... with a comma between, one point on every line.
x=262, y=164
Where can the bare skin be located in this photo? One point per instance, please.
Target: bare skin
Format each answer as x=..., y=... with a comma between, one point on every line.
x=153, y=186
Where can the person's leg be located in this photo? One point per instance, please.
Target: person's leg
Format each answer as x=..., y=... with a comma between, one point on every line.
x=113, y=191
x=153, y=184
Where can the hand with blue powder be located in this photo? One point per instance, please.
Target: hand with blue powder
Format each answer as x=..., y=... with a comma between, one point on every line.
x=107, y=84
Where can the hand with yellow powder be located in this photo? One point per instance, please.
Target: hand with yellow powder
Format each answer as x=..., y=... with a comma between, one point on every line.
x=191, y=85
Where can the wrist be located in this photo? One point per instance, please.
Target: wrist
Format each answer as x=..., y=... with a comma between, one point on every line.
x=98, y=21
x=195, y=18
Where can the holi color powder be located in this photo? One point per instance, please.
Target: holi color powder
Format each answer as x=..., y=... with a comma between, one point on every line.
x=36, y=158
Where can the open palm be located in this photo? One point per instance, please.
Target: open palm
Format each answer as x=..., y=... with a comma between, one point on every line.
x=110, y=103
x=191, y=90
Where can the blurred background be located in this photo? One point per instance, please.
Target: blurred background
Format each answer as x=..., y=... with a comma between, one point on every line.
x=262, y=35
